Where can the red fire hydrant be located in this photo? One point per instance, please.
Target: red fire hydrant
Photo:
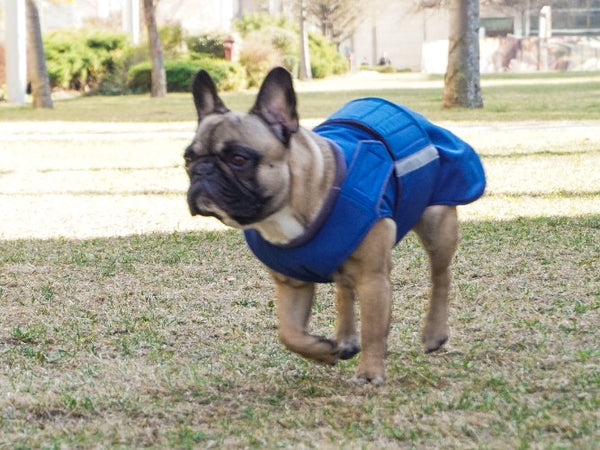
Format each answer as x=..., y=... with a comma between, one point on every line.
x=228, y=47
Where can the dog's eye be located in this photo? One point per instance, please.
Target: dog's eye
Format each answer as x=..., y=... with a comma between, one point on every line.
x=238, y=161
x=239, y=157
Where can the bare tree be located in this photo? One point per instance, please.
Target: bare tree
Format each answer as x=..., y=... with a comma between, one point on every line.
x=337, y=18
x=158, y=76
x=462, y=81
x=36, y=59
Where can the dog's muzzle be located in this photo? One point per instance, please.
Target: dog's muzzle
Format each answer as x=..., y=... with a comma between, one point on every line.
x=202, y=175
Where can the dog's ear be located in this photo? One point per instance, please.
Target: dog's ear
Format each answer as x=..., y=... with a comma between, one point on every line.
x=276, y=104
x=205, y=96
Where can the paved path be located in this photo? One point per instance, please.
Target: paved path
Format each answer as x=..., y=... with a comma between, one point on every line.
x=81, y=179
x=375, y=80
x=133, y=131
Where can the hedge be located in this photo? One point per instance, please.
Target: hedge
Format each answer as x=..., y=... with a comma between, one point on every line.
x=104, y=62
x=80, y=60
x=180, y=75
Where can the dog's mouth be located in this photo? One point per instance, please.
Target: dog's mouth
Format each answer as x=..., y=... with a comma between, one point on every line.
x=198, y=200
x=233, y=210
x=201, y=210
x=201, y=203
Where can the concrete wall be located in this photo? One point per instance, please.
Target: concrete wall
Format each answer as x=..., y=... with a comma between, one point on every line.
x=396, y=30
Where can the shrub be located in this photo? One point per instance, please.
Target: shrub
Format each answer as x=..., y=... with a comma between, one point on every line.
x=111, y=49
x=253, y=22
x=171, y=38
x=270, y=47
x=180, y=74
x=284, y=40
x=258, y=56
x=106, y=42
x=286, y=44
x=325, y=60
x=271, y=40
x=209, y=43
x=139, y=78
x=227, y=75
x=83, y=60
x=70, y=63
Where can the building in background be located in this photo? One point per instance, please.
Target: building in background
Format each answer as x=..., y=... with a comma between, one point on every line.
x=397, y=32
x=393, y=33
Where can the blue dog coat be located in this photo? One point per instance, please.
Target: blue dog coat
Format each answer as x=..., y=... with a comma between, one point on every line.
x=395, y=163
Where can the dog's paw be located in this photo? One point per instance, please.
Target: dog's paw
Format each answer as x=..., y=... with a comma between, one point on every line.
x=364, y=380
x=348, y=348
x=329, y=353
x=434, y=336
x=434, y=343
x=374, y=375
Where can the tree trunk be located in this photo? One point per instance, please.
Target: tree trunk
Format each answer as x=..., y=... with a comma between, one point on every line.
x=462, y=81
x=38, y=75
x=159, y=77
x=305, y=71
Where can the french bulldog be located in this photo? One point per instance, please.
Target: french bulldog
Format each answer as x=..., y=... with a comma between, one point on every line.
x=373, y=170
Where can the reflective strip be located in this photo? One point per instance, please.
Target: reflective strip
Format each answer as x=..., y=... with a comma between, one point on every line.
x=416, y=160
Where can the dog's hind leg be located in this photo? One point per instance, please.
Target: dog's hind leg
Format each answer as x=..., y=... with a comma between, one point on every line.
x=294, y=304
x=438, y=232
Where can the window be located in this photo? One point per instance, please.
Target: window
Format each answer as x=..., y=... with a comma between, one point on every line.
x=575, y=17
x=498, y=26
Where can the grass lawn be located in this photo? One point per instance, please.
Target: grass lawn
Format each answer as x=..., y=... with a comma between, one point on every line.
x=563, y=96
x=126, y=324
x=170, y=341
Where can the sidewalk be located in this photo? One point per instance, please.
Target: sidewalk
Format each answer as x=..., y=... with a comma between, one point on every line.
x=133, y=131
x=81, y=179
x=411, y=80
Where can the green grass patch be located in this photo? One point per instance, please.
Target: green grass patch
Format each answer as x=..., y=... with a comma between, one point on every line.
x=177, y=347
x=521, y=98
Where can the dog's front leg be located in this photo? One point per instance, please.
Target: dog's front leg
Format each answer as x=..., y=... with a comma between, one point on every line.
x=375, y=296
x=294, y=304
x=345, y=332
x=368, y=270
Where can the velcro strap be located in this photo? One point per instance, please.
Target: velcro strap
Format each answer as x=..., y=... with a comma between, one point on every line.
x=368, y=174
x=394, y=124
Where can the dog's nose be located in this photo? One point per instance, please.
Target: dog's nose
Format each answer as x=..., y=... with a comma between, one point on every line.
x=203, y=168
x=188, y=155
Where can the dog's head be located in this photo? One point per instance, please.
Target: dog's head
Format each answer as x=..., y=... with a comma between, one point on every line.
x=238, y=162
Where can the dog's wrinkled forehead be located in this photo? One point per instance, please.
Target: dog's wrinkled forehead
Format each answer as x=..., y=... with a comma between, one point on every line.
x=216, y=131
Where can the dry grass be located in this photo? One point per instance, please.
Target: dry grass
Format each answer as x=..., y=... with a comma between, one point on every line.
x=126, y=324
x=170, y=340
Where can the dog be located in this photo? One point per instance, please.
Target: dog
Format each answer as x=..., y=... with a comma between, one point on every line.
x=374, y=170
